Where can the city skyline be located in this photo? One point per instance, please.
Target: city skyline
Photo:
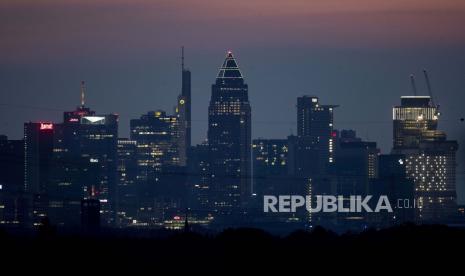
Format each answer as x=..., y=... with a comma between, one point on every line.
x=138, y=133
x=326, y=49
x=337, y=122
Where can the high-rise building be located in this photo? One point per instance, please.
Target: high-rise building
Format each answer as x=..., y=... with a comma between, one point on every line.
x=229, y=137
x=13, y=211
x=429, y=156
x=393, y=182
x=156, y=134
x=160, y=178
x=38, y=158
x=315, y=122
x=199, y=179
x=414, y=121
x=355, y=169
x=184, y=113
x=270, y=167
x=126, y=191
x=356, y=166
x=85, y=165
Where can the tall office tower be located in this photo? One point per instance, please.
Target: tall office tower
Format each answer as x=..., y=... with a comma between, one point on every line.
x=430, y=158
x=315, y=121
x=126, y=190
x=184, y=113
x=38, y=153
x=312, y=151
x=269, y=157
x=393, y=181
x=159, y=174
x=156, y=135
x=12, y=211
x=199, y=179
x=85, y=165
x=353, y=173
x=229, y=137
x=414, y=121
x=356, y=166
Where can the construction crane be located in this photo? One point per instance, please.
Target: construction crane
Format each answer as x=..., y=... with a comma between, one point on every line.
x=428, y=85
x=414, y=87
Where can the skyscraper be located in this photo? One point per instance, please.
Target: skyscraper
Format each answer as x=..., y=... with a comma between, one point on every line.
x=38, y=150
x=12, y=207
x=85, y=165
x=160, y=178
x=315, y=121
x=270, y=167
x=414, y=121
x=429, y=156
x=184, y=113
x=229, y=137
x=126, y=192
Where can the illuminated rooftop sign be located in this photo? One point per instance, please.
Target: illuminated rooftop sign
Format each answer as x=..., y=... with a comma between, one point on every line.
x=46, y=126
x=93, y=120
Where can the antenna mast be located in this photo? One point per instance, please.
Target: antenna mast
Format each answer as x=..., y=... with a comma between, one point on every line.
x=83, y=93
x=182, y=58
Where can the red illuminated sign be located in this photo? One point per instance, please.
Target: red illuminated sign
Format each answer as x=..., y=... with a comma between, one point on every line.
x=46, y=126
x=74, y=120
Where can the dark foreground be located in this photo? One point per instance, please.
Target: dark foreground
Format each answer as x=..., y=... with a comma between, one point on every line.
x=390, y=249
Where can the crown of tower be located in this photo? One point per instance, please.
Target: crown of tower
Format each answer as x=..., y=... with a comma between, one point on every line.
x=229, y=69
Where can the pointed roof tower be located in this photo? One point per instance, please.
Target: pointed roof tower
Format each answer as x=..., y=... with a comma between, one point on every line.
x=229, y=70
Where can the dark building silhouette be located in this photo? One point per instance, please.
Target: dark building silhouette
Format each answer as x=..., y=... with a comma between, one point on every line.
x=127, y=184
x=356, y=166
x=270, y=167
x=184, y=114
x=90, y=215
x=393, y=182
x=13, y=211
x=355, y=170
x=229, y=137
x=430, y=158
x=85, y=165
x=315, y=121
x=38, y=159
x=200, y=179
x=312, y=151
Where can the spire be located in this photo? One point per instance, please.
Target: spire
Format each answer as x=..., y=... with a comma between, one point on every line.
x=182, y=58
x=229, y=69
x=83, y=93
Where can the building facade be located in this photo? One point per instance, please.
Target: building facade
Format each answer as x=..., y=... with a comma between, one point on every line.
x=430, y=158
x=229, y=138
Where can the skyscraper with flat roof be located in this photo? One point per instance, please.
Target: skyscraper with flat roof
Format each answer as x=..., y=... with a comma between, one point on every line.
x=38, y=153
x=85, y=147
x=429, y=156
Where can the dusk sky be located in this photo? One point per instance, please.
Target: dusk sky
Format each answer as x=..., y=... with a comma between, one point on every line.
x=354, y=53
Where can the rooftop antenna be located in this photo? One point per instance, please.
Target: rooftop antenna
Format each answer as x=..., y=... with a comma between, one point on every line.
x=83, y=93
x=428, y=85
x=414, y=87
x=182, y=58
